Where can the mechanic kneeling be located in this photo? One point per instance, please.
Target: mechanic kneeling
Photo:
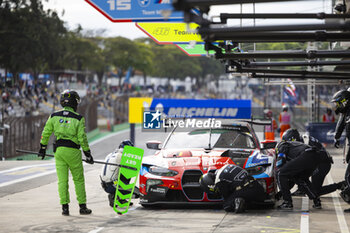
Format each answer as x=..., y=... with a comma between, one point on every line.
x=235, y=185
x=109, y=173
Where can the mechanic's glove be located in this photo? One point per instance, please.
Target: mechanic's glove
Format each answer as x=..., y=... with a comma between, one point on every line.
x=336, y=143
x=42, y=151
x=88, y=156
x=281, y=159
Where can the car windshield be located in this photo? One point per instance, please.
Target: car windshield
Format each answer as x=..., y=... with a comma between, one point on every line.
x=219, y=138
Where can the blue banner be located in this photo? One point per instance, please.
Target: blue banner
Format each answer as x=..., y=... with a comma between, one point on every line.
x=213, y=108
x=137, y=10
x=324, y=132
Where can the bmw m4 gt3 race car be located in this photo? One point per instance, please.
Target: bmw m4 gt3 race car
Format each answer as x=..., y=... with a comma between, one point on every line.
x=171, y=175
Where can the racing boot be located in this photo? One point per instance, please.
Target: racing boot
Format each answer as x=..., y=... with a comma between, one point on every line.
x=317, y=204
x=84, y=210
x=345, y=195
x=239, y=205
x=298, y=193
x=286, y=205
x=65, y=209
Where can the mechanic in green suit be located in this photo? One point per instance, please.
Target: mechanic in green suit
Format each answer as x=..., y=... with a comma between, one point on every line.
x=69, y=130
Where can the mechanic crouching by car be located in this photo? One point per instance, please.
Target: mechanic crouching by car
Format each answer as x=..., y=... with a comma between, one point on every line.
x=235, y=185
x=296, y=162
x=109, y=173
x=323, y=168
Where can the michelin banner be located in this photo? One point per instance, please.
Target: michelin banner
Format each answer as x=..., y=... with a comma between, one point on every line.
x=178, y=108
x=189, y=108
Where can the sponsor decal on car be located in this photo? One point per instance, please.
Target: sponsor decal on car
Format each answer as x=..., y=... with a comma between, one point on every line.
x=158, y=190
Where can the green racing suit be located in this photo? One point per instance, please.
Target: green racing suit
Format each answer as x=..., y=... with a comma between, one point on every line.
x=69, y=130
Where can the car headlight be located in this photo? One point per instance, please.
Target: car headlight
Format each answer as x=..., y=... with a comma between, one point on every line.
x=255, y=170
x=161, y=171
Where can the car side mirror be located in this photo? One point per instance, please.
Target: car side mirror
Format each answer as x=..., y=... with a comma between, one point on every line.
x=154, y=145
x=268, y=144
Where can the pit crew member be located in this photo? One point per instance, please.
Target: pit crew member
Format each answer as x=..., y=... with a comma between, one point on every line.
x=69, y=129
x=342, y=106
x=322, y=170
x=297, y=161
x=109, y=173
x=235, y=185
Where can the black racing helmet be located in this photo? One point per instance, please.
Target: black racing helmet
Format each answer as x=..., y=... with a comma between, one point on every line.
x=70, y=98
x=207, y=182
x=126, y=143
x=292, y=135
x=341, y=101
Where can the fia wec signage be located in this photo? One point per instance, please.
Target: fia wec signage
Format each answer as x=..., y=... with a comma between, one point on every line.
x=137, y=10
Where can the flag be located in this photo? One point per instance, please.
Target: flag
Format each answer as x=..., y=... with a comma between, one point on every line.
x=290, y=94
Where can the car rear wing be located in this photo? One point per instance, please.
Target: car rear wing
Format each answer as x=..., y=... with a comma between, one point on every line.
x=251, y=121
x=259, y=122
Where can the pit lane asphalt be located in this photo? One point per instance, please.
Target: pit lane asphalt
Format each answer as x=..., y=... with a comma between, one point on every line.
x=32, y=205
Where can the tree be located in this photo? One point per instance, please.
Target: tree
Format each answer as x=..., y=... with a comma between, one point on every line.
x=29, y=36
x=144, y=62
x=13, y=40
x=122, y=53
x=82, y=54
x=210, y=67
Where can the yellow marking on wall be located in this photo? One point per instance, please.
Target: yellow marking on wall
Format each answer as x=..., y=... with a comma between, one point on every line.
x=136, y=106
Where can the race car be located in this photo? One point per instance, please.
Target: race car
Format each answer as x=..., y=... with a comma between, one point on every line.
x=171, y=175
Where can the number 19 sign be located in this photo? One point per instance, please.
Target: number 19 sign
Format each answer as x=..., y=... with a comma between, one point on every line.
x=137, y=10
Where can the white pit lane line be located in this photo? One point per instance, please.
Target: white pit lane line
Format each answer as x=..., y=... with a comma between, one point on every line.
x=97, y=230
x=338, y=210
x=304, y=220
x=53, y=170
x=24, y=167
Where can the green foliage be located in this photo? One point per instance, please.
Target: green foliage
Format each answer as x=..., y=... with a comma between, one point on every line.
x=29, y=36
x=172, y=63
x=81, y=54
x=145, y=58
x=121, y=53
x=281, y=46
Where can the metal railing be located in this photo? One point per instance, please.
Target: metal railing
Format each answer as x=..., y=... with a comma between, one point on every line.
x=25, y=132
x=121, y=109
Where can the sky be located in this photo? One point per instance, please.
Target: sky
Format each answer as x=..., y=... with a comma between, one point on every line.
x=80, y=12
